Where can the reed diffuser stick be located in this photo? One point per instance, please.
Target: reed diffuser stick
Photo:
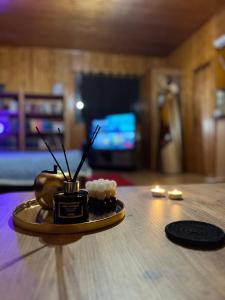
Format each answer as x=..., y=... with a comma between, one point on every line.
x=85, y=154
x=64, y=151
x=50, y=151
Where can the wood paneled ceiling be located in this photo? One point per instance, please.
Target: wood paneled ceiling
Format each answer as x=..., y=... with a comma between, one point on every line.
x=147, y=27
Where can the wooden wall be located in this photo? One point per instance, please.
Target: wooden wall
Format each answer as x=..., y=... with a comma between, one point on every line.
x=220, y=68
x=37, y=69
x=195, y=53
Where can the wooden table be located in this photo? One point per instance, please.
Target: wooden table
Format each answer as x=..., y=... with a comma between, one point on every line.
x=133, y=260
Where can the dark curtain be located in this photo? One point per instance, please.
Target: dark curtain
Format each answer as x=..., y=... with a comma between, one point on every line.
x=104, y=95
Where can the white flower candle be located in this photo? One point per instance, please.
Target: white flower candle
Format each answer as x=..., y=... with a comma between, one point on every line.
x=158, y=192
x=101, y=188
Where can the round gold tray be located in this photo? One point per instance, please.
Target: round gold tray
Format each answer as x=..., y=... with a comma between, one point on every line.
x=30, y=216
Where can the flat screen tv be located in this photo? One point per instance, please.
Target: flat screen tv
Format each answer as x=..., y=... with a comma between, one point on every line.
x=117, y=132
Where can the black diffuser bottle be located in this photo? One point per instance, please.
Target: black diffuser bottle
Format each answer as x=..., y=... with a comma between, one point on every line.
x=71, y=206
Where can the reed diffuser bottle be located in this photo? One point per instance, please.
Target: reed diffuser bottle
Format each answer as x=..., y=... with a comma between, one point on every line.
x=71, y=206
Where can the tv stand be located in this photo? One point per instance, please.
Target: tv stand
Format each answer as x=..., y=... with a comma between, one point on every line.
x=113, y=159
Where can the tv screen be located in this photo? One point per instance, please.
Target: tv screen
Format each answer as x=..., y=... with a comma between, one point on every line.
x=117, y=132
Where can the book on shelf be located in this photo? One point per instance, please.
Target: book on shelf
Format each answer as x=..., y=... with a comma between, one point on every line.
x=44, y=125
x=8, y=105
x=9, y=143
x=44, y=107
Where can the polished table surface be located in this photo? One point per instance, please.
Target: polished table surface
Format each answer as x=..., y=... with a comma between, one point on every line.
x=133, y=260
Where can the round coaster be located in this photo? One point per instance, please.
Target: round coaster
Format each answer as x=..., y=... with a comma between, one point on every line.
x=195, y=234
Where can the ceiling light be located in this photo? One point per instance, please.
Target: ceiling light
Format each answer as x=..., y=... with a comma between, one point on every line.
x=80, y=105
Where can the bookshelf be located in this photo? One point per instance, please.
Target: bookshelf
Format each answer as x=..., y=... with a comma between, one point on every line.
x=28, y=111
x=46, y=112
x=9, y=121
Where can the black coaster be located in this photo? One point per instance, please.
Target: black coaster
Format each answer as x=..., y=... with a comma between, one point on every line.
x=195, y=234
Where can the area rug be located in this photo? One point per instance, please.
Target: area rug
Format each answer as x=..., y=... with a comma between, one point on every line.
x=121, y=181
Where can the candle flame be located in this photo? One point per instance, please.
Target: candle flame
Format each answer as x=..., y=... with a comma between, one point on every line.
x=175, y=191
x=157, y=189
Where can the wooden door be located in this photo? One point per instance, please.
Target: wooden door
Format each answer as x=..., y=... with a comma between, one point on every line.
x=203, y=131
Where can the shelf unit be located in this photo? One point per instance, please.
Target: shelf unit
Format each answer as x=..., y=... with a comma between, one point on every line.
x=9, y=121
x=46, y=112
x=41, y=110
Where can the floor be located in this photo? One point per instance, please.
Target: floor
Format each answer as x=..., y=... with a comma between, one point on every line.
x=144, y=177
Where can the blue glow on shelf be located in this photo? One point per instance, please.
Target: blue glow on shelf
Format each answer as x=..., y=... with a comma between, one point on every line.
x=2, y=128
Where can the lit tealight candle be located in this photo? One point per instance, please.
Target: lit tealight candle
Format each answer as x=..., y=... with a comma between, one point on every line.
x=158, y=192
x=175, y=195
